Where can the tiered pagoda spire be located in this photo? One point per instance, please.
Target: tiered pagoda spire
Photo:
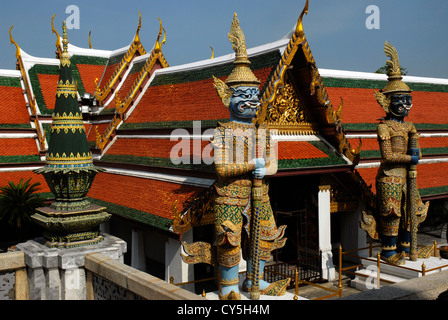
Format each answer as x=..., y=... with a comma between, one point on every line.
x=69, y=169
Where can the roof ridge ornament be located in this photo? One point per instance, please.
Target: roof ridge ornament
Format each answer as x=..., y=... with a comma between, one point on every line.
x=90, y=40
x=58, y=38
x=14, y=43
x=158, y=45
x=137, y=36
x=299, y=28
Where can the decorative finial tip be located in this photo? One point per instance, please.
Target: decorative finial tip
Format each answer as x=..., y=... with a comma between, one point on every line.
x=64, y=36
x=65, y=58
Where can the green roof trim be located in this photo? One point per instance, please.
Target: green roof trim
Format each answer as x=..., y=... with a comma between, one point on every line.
x=438, y=151
x=158, y=162
x=425, y=151
x=370, y=154
x=135, y=215
x=15, y=125
x=333, y=159
x=171, y=124
x=379, y=84
x=431, y=126
x=137, y=67
x=20, y=158
x=10, y=82
x=373, y=126
x=78, y=59
x=433, y=191
x=116, y=59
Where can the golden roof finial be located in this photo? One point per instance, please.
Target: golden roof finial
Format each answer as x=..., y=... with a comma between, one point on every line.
x=213, y=53
x=137, y=37
x=14, y=43
x=58, y=40
x=158, y=45
x=299, y=27
x=90, y=40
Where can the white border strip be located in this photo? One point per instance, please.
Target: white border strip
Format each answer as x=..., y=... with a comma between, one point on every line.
x=333, y=73
x=192, y=181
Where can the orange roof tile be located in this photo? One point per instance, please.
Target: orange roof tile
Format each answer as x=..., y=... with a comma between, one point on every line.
x=124, y=89
x=298, y=150
x=107, y=74
x=13, y=106
x=180, y=102
x=18, y=147
x=147, y=195
x=15, y=177
x=429, y=175
x=88, y=73
x=48, y=84
x=154, y=147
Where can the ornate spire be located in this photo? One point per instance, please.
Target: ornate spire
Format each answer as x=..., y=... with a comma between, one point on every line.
x=71, y=220
x=68, y=148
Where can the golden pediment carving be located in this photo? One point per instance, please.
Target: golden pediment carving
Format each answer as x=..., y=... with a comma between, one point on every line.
x=287, y=113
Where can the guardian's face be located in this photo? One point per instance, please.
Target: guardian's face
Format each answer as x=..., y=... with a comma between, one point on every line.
x=244, y=102
x=400, y=104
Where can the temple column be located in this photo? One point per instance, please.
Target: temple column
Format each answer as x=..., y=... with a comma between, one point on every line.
x=138, y=260
x=324, y=222
x=352, y=236
x=174, y=265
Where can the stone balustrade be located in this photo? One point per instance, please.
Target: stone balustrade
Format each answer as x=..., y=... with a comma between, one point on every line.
x=13, y=277
x=110, y=279
x=97, y=272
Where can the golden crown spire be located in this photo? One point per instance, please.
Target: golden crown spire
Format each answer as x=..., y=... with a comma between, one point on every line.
x=395, y=83
x=241, y=75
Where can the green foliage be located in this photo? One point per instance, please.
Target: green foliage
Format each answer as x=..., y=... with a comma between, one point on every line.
x=385, y=70
x=18, y=203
